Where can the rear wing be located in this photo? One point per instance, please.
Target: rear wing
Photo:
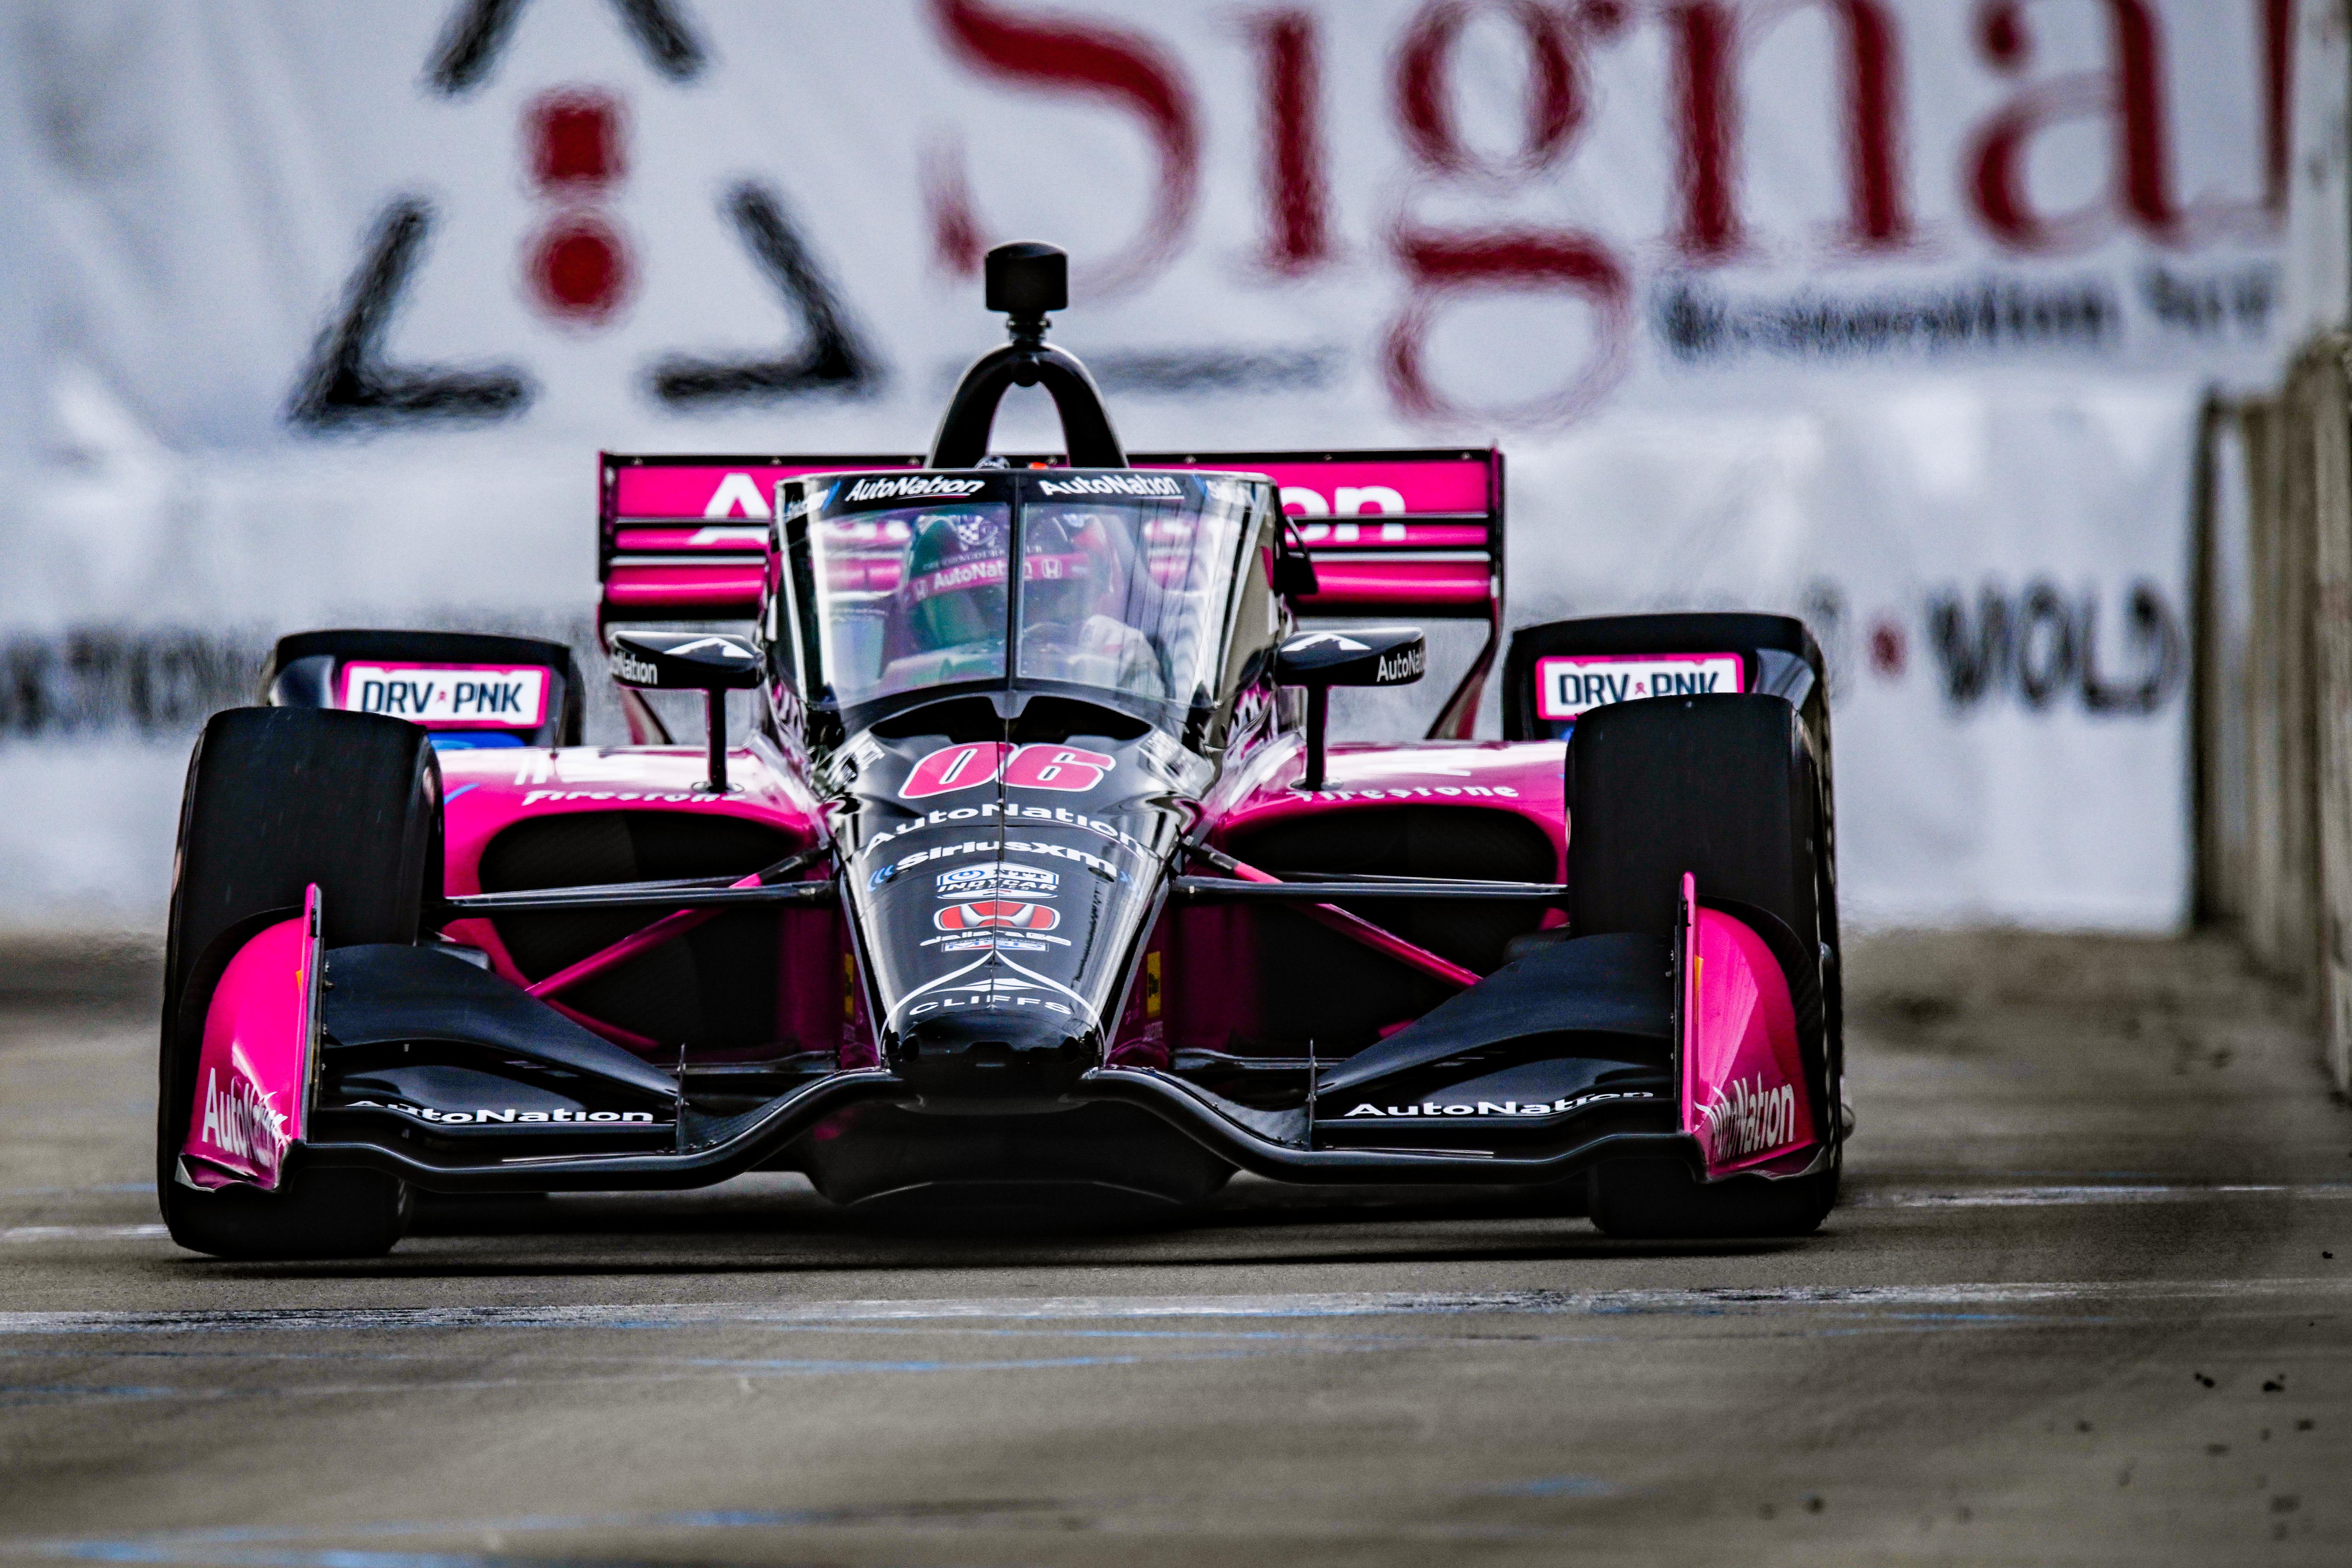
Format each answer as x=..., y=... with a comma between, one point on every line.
x=1415, y=533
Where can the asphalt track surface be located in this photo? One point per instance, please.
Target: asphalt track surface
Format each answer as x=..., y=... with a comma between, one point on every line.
x=2089, y=1302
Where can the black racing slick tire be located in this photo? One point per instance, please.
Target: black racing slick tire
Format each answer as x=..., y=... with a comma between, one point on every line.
x=1726, y=789
x=278, y=798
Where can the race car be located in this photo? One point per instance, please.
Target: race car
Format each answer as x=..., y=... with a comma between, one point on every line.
x=1035, y=892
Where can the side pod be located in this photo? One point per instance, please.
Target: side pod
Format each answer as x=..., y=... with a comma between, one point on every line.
x=1742, y=1075
x=258, y=1062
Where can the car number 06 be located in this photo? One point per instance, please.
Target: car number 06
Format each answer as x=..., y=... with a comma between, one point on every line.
x=1069, y=768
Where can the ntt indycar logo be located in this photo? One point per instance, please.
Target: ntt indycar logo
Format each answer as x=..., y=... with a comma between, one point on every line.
x=912, y=487
x=1149, y=485
x=506, y=1113
x=1029, y=881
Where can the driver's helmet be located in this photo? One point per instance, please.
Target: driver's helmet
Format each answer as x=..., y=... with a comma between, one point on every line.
x=1069, y=569
x=952, y=589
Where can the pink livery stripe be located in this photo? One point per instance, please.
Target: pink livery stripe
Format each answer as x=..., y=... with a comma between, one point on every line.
x=255, y=1059
x=1433, y=586
x=1370, y=488
x=719, y=492
x=1371, y=534
x=1743, y=1088
x=732, y=538
x=714, y=588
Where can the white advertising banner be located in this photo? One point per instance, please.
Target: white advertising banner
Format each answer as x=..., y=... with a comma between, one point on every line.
x=1895, y=314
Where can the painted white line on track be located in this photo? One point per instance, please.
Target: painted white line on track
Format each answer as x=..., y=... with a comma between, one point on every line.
x=1074, y=1309
x=82, y=1232
x=2041, y=1197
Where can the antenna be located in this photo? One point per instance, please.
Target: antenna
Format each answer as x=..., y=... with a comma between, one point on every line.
x=1026, y=281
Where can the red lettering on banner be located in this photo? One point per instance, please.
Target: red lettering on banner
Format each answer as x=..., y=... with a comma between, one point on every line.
x=1703, y=52
x=1709, y=45
x=2278, y=102
x=2128, y=95
x=578, y=264
x=1298, y=203
x=576, y=139
x=1444, y=267
x=1555, y=102
x=1062, y=55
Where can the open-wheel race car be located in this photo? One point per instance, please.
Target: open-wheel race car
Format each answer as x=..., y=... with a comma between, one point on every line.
x=1034, y=890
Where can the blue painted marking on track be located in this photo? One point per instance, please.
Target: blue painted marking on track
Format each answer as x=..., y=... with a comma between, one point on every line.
x=1554, y=1486
x=263, y=1547
x=17, y=1395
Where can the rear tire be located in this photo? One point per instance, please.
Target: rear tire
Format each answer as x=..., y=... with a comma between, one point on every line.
x=277, y=799
x=1727, y=789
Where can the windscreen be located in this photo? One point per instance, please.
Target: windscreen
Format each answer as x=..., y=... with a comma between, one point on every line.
x=1124, y=584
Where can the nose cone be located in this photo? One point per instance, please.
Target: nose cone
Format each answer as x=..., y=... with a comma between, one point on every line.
x=990, y=1053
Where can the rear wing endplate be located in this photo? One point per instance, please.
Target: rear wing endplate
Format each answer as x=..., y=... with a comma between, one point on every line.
x=1416, y=532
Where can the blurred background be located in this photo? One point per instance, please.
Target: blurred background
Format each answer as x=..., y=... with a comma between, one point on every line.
x=1969, y=331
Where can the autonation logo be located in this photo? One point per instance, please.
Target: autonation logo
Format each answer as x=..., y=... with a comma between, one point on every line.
x=911, y=487
x=1112, y=485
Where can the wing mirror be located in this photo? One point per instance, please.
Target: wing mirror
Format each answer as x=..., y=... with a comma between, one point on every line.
x=1370, y=656
x=706, y=662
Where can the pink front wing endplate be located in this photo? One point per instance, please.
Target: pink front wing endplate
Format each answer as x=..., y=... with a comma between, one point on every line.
x=1742, y=1089
x=255, y=1065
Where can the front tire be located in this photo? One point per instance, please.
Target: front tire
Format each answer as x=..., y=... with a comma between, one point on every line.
x=276, y=799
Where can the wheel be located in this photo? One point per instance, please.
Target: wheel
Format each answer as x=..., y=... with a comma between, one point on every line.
x=1728, y=788
x=276, y=799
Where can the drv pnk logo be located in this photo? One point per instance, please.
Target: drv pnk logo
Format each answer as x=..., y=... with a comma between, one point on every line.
x=1072, y=769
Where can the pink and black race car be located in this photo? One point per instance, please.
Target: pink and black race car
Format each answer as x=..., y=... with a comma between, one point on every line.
x=1035, y=888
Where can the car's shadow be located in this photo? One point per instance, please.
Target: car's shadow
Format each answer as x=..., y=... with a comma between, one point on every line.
x=777, y=1225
